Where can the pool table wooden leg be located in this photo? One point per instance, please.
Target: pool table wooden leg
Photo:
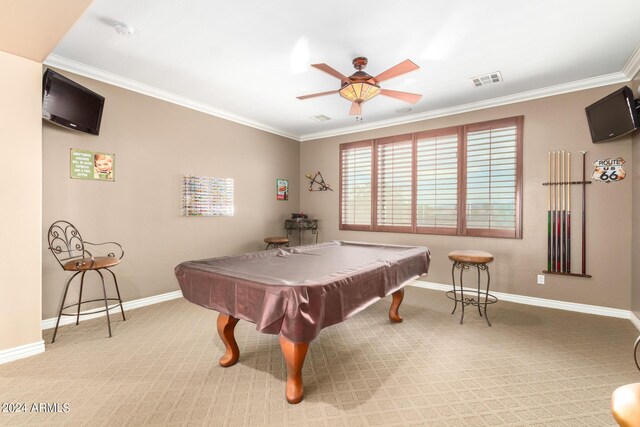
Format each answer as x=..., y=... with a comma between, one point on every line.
x=395, y=304
x=294, y=354
x=226, y=325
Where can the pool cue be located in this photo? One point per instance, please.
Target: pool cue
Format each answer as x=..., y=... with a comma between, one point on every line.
x=561, y=206
x=568, y=226
x=549, y=211
x=584, y=215
x=563, y=214
x=558, y=221
x=553, y=211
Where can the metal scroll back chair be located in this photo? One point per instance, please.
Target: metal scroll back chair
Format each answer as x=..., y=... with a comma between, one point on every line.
x=70, y=250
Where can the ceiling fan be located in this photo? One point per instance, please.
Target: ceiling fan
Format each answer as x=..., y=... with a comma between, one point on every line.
x=361, y=87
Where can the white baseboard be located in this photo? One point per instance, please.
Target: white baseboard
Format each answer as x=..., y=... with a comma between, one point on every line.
x=635, y=320
x=32, y=349
x=20, y=352
x=129, y=305
x=542, y=302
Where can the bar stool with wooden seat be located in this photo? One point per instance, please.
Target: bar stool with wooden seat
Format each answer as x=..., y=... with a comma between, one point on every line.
x=70, y=250
x=625, y=401
x=276, y=242
x=463, y=260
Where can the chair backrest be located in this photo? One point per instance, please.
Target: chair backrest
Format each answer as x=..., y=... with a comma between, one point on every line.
x=65, y=242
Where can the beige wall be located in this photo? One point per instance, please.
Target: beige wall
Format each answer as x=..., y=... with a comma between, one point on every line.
x=32, y=28
x=21, y=213
x=155, y=144
x=635, y=242
x=552, y=123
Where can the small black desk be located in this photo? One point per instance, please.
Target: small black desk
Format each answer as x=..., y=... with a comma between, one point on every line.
x=301, y=224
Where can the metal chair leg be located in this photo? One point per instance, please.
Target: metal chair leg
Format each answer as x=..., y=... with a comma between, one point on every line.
x=80, y=297
x=485, y=306
x=453, y=280
x=486, y=296
x=64, y=297
x=106, y=303
x=118, y=292
x=462, y=294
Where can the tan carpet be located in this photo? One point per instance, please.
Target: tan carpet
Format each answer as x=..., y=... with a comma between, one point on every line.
x=535, y=366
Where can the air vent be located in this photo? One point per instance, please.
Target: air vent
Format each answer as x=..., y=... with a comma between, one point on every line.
x=320, y=118
x=487, y=79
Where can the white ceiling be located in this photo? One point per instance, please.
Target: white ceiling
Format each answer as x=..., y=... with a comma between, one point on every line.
x=248, y=60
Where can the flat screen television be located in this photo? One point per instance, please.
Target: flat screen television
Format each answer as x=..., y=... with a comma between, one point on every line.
x=613, y=116
x=69, y=104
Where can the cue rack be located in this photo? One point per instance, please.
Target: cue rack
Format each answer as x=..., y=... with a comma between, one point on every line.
x=559, y=214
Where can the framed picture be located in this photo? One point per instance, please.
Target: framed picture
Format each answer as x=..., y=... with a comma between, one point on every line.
x=207, y=196
x=282, y=189
x=90, y=165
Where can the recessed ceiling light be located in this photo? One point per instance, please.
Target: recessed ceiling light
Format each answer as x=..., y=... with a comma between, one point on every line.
x=403, y=110
x=123, y=29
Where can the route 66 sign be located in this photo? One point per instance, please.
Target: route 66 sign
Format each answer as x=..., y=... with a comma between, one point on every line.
x=608, y=170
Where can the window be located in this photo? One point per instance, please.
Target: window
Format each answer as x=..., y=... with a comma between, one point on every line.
x=465, y=180
x=492, y=179
x=437, y=182
x=394, y=184
x=355, y=186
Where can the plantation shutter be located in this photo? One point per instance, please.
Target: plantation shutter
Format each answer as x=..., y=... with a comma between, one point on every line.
x=437, y=182
x=355, y=186
x=463, y=180
x=394, y=184
x=492, y=178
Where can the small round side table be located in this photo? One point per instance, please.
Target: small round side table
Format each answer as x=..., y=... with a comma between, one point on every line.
x=464, y=260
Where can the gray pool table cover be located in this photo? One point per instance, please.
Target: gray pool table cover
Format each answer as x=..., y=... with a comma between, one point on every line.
x=297, y=291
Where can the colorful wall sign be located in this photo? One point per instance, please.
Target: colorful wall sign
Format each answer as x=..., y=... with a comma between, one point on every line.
x=608, y=170
x=89, y=165
x=207, y=196
x=282, y=189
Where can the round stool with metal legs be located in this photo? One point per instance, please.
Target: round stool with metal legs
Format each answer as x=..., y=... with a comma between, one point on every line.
x=464, y=260
x=276, y=242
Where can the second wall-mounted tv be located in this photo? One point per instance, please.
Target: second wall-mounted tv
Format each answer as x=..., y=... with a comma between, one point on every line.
x=69, y=104
x=613, y=116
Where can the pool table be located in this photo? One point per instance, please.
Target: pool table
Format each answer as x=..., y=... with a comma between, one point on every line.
x=296, y=292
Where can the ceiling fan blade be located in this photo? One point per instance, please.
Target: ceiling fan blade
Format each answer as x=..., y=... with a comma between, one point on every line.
x=313, y=95
x=327, y=69
x=402, y=68
x=356, y=109
x=403, y=96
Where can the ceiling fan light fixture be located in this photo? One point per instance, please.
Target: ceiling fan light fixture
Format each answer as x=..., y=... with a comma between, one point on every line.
x=361, y=87
x=359, y=91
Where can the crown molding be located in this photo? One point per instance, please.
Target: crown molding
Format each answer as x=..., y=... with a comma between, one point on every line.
x=574, y=86
x=630, y=69
x=132, y=85
x=632, y=66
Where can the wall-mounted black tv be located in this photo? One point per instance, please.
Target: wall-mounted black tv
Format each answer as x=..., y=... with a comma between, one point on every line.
x=613, y=116
x=69, y=104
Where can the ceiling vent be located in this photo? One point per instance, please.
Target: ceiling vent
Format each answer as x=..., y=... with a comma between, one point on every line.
x=320, y=118
x=487, y=79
